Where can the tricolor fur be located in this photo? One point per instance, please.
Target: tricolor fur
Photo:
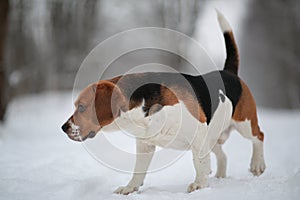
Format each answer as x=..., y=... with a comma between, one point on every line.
x=177, y=111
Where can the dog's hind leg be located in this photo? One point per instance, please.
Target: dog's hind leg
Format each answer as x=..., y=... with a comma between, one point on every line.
x=221, y=161
x=257, y=166
x=246, y=122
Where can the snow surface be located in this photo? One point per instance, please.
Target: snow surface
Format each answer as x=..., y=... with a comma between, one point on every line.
x=38, y=161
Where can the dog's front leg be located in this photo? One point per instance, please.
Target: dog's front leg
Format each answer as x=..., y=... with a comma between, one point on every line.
x=202, y=166
x=144, y=154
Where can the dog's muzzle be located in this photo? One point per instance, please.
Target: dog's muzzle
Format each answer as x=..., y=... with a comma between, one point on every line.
x=73, y=132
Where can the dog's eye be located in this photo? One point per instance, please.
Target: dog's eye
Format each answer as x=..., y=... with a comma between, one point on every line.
x=81, y=108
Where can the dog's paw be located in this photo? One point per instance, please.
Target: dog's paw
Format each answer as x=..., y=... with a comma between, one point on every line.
x=257, y=167
x=126, y=190
x=220, y=174
x=196, y=186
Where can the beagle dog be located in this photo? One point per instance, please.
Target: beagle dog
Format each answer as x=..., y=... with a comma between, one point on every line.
x=178, y=111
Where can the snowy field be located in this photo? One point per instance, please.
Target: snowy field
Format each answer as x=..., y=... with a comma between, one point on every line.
x=38, y=161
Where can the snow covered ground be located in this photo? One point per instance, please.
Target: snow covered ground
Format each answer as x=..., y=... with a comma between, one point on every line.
x=38, y=161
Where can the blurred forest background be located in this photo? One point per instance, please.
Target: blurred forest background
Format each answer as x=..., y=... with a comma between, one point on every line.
x=43, y=42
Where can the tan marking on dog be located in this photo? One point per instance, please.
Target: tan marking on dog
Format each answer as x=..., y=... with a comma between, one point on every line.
x=171, y=95
x=246, y=109
x=86, y=120
x=109, y=100
x=102, y=101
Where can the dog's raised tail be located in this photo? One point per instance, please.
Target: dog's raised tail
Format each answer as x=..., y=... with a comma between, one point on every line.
x=232, y=59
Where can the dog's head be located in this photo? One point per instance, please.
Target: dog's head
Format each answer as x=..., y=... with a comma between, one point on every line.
x=97, y=106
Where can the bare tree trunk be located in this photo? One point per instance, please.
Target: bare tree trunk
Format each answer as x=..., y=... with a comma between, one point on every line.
x=4, y=7
x=179, y=15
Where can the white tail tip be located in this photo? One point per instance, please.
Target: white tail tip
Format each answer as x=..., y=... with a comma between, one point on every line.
x=224, y=24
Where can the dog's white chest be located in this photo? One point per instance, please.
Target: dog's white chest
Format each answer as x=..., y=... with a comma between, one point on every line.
x=171, y=127
x=174, y=126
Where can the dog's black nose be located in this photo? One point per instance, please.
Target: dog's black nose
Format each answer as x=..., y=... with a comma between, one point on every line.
x=65, y=127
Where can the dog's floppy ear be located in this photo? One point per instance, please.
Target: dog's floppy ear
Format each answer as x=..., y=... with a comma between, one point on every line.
x=109, y=100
